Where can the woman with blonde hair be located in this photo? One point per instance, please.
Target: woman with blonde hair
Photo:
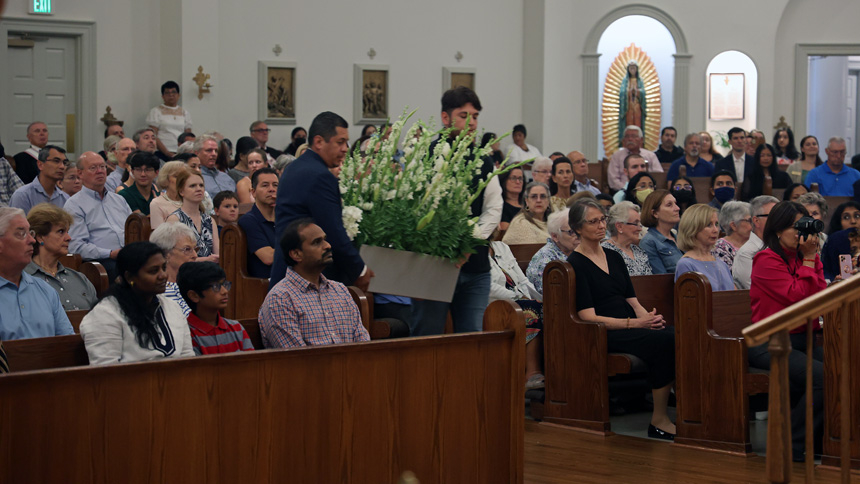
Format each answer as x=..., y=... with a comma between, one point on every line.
x=707, y=152
x=190, y=188
x=50, y=224
x=168, y=202
x=697, y=234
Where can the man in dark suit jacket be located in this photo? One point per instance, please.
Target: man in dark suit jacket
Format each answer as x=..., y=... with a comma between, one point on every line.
x=25, y=161
x=308, y=189
x=738, y=141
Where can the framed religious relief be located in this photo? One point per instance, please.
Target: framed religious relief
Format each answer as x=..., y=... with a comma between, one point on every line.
x=276, y=92
x=726, y=96
x=458, y=76
x=370, y=96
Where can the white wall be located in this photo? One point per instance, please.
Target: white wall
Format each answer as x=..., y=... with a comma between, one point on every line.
x=325, y=39
x=734, y=62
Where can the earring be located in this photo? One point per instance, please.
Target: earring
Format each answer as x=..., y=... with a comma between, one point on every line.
x=41, y=243
x=131, y=283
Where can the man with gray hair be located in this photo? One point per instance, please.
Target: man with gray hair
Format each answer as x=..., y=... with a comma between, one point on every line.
x=124, y=148
x=52, y=168
x=696, y=166
x=31, y=307
x=633, y=141
x=25, y=161
x=216, y=181
x=742, y=268
x=542, y=169
x=834, y=179
x=560, y=244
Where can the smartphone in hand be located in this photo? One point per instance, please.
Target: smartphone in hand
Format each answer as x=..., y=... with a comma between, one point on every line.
x=846, y=266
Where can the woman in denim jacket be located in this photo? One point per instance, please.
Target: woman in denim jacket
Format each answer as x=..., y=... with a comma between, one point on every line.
x=661, y=214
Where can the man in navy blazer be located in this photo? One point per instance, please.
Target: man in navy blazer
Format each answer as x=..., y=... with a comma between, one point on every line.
x=732, y=162
x=308, y=189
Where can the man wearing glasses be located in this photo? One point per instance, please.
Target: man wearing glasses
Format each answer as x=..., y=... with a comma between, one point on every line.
x=581, y=182
x=260, y=132
x=144, y=167
x=742, y=267
x=31, y=308
x=834, y=179
x=98, y=232
x=43, y=189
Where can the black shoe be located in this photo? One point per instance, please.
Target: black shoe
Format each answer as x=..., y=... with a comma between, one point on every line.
x=655, y=433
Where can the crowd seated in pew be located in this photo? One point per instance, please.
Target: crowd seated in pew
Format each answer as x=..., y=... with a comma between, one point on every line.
x=389, y=383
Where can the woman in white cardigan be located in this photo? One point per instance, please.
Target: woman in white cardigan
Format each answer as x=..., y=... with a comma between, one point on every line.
x=507, y=281
x=136, y=322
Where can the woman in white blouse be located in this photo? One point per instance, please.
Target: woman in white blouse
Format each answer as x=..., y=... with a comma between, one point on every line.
x=136, y=322
x=169, y=120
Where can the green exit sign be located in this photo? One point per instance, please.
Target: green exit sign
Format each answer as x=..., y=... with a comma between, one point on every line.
x=40, y=7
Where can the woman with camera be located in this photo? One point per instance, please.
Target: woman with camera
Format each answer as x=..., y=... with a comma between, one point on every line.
x=785, y=272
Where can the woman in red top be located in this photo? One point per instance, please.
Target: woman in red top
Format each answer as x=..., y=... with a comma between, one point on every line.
x=787, y=271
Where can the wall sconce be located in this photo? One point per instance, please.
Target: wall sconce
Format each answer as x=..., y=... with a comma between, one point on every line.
x=201, y=79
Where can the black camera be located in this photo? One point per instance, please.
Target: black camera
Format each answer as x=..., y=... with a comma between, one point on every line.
x=807, y=226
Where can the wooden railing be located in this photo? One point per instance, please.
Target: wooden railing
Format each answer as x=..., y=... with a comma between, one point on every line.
x=839, y=306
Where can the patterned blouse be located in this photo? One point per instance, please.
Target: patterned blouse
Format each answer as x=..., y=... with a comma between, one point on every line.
x=544, y=256
x=724, y=250
x=637, y=265
x=204, y=235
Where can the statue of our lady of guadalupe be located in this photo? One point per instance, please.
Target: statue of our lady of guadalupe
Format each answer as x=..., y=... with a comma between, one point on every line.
x=631, y=109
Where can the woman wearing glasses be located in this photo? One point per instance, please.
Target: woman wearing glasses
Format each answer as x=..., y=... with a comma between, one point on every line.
x=512, y=190
x=639, y=187
x=529, y=227
x=136, y=321
x=660, y=214
x=624, y=234
x=697, y=234
x=846, y=216
x=736, y=221
x=179, y=244
x=604, y=294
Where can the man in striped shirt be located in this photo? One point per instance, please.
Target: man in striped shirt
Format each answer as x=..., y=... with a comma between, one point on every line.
x=204, y=287
x=305, y=308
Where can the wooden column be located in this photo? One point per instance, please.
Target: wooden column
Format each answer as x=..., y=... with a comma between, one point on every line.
x=779, y=415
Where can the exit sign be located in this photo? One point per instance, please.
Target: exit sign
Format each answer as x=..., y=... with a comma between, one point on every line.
x=39, y=7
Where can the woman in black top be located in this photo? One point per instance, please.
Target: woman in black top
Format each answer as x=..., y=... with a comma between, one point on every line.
x=604, y=294
x=765, y=162
x=512, y=184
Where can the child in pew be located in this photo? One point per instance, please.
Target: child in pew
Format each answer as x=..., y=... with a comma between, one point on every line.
x=204, y=287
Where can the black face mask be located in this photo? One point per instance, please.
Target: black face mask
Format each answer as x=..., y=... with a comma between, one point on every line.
x=300, y=141
x=683, y=196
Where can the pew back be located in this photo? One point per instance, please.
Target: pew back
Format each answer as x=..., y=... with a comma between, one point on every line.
x=247, y=293
x=376, y=410
x=137, y=228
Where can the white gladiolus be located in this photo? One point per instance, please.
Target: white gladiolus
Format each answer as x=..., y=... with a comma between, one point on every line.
x=446, y=149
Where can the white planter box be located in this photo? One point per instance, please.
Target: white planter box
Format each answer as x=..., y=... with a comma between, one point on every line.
x=410, y=274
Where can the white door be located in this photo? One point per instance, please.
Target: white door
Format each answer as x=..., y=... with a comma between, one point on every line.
x=851, y=109
x=42, y=76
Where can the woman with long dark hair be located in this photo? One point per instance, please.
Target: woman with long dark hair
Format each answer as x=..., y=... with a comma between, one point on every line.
x=512, y=184
x=809, y=159
x=783, y=143
x=240, y=169
x=135, y=321
x=560, y=183
x=765, y=163
x=846, y=216
x=785, y=272
x=639, y=187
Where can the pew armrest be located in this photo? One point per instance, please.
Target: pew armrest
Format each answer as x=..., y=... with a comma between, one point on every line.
x=97, y=275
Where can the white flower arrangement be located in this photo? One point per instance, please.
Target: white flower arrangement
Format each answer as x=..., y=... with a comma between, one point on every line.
x=407, y=196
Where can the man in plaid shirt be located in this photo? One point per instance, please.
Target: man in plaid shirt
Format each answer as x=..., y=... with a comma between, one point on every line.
x=305, y=308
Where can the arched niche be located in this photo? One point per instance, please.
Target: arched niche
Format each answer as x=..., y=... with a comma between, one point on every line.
x=723, y=64
x=591, y=73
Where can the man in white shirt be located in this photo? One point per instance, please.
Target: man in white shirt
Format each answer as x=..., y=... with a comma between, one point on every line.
x=521, y=151
x=632, y=142
x=737, y=162
x=742, y=265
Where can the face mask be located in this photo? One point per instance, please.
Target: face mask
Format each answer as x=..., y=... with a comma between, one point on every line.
x=683, y=196
x=724, y=194
x=300, y=141
x=641, y=195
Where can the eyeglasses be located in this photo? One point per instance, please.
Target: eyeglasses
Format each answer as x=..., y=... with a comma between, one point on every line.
x=596, y=221
x=747, y=220
x=538, y=196
x=544, y=172
x=64, y=161
x=216, y=287
x=761, y=215
x=97, y=168
x=22, y=234
x=684, y=187
x=570, y=232
x=144, y=169
x=261, y=130
x=649, y=186
x=637, y=224
x=188, y=250
x=516, y=178
x=848, y=216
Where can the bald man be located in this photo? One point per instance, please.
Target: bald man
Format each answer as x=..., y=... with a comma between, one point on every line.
x=580, y=174
x=98, y=232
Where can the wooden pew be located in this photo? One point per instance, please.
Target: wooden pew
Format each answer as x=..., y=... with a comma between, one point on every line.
x=93, y=271
x=137, y=228
x=577, y=364
x=46, y=353
x=376, y=409
x=833, y=412
x=523, y=253
x=600, y=172
x=75, y=317
x=247, y=293
x=713, y=380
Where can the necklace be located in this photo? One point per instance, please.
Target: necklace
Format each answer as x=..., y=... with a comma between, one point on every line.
x=52, y=273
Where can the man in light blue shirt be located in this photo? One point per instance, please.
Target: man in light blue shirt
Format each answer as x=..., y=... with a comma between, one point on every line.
x=124, y=147
x=98, y=232
x=834, y=179
x=216, y=181
x=580, y=174
x=52, y=165
x=31, y=308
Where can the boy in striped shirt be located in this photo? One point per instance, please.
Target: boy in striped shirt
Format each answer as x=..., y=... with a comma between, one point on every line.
x=204, y=287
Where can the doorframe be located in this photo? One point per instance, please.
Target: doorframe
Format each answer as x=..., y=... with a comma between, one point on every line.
x=801, y=76
x=84, y=35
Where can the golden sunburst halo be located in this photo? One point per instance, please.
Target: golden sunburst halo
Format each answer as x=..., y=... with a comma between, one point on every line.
x=611, y=98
